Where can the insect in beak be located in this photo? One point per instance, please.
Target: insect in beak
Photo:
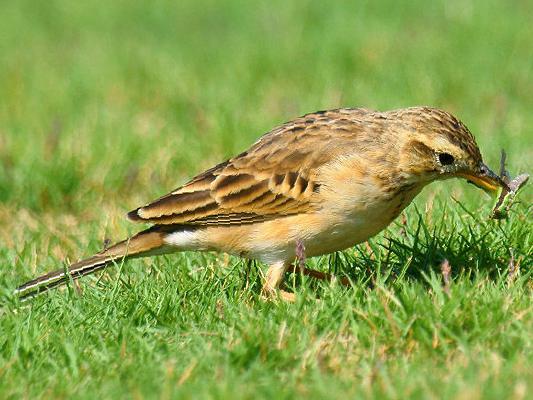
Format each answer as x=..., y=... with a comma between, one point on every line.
x=485, y=179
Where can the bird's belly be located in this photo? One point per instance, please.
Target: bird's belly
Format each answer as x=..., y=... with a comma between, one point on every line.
x=339, y=237
x=352, y=225
x=348, y=231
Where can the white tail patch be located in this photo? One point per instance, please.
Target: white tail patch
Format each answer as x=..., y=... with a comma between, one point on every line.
x=183, y=240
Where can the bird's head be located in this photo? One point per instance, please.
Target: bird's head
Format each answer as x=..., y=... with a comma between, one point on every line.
x=439, y=146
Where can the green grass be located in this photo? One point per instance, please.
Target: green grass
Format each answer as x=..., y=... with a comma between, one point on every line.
x=106, y=105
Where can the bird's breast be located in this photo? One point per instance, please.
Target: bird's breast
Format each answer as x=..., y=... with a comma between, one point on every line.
x=346, y=226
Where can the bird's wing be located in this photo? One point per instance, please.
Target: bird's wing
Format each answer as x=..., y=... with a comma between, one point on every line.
x=276, y=177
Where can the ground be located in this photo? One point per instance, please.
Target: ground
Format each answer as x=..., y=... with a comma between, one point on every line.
x=107, y=105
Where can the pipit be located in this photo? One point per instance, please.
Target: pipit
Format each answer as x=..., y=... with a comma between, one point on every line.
x=322, y=182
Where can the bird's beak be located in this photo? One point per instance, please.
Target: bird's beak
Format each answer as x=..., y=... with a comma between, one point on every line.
x=485, y=179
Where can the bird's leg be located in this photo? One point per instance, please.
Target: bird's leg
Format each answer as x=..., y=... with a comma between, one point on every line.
x=297, y=268
x=273, y=279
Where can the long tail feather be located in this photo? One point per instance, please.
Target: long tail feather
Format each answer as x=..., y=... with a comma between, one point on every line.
x=148, y=242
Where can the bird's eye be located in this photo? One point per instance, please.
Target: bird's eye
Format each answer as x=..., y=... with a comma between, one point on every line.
x=446, y=159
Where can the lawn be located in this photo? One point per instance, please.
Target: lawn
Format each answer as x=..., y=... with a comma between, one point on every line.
x=107, y=105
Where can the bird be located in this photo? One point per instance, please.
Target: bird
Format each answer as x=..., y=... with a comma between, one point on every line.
x=320, y=183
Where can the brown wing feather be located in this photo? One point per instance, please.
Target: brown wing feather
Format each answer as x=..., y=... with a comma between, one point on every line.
x=275, y=177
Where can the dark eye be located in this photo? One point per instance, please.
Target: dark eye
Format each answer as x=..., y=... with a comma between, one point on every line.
x=446, y=159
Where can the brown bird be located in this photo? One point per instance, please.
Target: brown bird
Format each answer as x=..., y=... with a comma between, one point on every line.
x=324, y=182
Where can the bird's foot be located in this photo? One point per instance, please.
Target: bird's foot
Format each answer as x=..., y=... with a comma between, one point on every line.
x=272, y=282
x=278, y=294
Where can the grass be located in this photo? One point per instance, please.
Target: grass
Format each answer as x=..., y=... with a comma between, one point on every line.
x=106, y=105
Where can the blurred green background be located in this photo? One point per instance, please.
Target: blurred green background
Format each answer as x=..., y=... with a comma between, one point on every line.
x=107, y=105
x=129, y=98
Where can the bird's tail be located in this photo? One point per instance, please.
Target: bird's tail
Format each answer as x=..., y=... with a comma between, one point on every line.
x=145, y=243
